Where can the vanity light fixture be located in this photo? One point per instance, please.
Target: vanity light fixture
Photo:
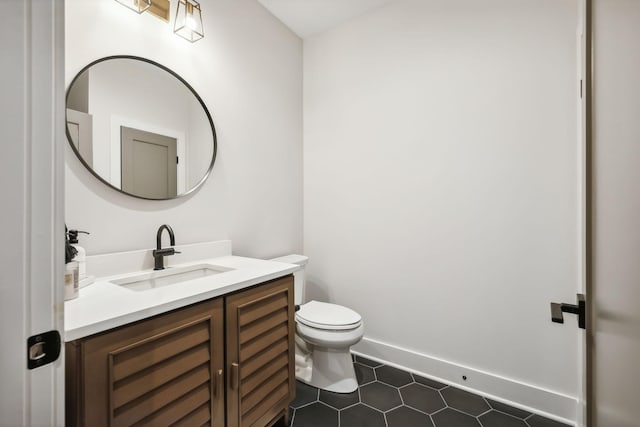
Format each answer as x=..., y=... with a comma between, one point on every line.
x=137, y=6
x=188, y=20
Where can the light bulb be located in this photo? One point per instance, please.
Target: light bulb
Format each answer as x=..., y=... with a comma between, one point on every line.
x=191, y=22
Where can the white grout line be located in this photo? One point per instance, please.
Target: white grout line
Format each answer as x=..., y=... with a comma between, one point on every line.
x=347, y=407
x=313, y=401
x=293, y=417
x=401, y=396
x=372, y=407
x=488, y=410
x=439, y=410
x=461, y=411
x=391, y=409
x=305, y=405
x=421, y=411
x=326, y=404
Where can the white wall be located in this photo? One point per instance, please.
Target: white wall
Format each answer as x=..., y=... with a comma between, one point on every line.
x=247, y=69
x=441, y=188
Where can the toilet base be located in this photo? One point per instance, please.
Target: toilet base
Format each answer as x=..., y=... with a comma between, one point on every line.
x=332, y=370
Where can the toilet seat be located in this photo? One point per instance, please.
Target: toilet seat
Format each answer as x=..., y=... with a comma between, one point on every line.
x=326, y=316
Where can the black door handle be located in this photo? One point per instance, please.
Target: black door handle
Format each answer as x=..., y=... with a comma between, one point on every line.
x=580, y=309
x=43, y=348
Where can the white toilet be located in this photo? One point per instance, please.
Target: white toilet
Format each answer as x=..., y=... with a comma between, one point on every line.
x=324, y=334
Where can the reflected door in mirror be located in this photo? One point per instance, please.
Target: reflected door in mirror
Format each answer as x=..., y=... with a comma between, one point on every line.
x=149, y=164
x=80, y=128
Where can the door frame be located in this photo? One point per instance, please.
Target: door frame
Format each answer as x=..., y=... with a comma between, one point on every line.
x=586, y=402
x=32, y=170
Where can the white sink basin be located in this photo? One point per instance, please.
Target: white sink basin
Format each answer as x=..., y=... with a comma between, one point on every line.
x=169, y=276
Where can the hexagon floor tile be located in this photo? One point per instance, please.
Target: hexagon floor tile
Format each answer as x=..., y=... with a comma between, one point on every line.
x=368, y=362
x=380, y=396
x=452, y=418
x=464, y=401
x=538, y=421
x=393, y=376
x=422, y=398
x=316, y=415
x=390, y=397
x=305, y=394
x=362, y=416
x=364, y=374
x=428, y=382
x=405, y=416
x=501, y=407
x=339, y=400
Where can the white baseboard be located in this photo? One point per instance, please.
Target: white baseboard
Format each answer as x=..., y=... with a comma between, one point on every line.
x=548, y=403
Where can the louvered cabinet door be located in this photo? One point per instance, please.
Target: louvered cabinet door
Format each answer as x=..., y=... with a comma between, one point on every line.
x=260, y=354
x=167, y=370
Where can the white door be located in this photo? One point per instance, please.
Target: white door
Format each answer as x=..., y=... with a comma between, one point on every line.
x=31, y=173
x=615, y=330
x=149, y=164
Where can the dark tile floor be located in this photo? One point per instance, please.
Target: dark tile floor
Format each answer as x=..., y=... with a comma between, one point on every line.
x=390, y=397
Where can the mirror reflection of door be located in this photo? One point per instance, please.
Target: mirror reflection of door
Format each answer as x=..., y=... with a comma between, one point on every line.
x=80, y=126
x=149, y=164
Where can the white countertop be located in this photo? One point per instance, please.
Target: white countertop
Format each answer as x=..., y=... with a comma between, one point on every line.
x=104, y=305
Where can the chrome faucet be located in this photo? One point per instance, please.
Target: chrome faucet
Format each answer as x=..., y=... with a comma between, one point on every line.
x=159, y=253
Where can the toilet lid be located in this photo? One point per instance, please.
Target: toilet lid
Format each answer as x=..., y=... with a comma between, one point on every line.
x=323, y=315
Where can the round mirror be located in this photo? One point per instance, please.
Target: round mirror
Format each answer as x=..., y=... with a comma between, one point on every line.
x=140, y=128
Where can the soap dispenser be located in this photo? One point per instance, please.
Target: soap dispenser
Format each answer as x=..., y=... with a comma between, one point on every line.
x=80, y=258
x=71, y=283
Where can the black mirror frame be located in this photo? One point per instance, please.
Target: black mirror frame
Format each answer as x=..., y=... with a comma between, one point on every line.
x=183, y=81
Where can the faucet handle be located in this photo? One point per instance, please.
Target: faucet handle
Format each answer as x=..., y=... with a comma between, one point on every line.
x=164, y=252
x=159, y=254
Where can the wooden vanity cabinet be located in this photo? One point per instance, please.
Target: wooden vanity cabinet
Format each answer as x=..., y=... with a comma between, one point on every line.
x=158, y=371
x=170, y=369
x=260, y=354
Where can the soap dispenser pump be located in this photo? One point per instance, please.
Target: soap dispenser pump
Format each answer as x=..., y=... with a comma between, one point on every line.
x=80, y=257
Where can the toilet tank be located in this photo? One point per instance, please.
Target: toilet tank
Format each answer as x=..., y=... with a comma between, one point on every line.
x=298, y=276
